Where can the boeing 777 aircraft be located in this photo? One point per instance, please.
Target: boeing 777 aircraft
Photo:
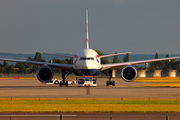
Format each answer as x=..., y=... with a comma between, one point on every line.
x=87, y=62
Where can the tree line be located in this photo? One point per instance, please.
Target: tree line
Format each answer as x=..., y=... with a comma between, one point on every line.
x=164, y=65
x=26, y=68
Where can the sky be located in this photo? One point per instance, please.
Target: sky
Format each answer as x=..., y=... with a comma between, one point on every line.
x=58, y=26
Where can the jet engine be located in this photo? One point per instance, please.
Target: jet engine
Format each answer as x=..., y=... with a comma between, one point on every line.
x=44, y=73
x=129, y=73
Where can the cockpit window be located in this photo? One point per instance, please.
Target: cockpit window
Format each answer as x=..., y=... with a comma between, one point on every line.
x=85, y=58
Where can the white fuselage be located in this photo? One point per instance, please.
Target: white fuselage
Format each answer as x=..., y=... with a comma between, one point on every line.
x=87, y=62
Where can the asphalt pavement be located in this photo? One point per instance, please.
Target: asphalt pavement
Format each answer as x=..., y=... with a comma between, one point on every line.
x=32, y=88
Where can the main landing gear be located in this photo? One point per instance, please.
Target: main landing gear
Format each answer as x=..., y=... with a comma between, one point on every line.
x=64, y=76
x=110, y=82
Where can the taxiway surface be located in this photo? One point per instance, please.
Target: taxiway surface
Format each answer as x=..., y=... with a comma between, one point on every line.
x=94, y=116
x=32, y=88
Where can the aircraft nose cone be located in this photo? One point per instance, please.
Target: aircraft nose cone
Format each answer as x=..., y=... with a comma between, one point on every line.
x=87, y=65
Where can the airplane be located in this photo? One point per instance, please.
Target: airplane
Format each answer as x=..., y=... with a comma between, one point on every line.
x=87, y=62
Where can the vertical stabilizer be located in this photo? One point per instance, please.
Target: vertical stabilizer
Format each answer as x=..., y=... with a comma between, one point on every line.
x=87, y=32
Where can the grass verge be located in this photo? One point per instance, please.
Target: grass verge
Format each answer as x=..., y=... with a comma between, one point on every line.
x=33, y=105
x=159, y=80
x=162, y=85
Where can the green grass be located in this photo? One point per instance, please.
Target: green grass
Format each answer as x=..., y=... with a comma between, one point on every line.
x=163, y=85
x=159, y=80
x=88, y=105
x=165, y=82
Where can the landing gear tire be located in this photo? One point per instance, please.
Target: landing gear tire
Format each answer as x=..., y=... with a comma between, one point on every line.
x=60, y=84
x=107, y=83
x=110, y=83
x=66, y=83
x=64, y=76
x=109, y=75
x=113, y=83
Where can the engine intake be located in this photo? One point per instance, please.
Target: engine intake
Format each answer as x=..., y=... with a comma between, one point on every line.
x=129, y=73
x=44, y=73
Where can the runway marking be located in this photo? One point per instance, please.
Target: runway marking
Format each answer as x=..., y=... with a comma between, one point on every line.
x=88, y=90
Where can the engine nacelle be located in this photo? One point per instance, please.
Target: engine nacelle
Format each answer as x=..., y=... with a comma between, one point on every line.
x=129, y=73
x=44, y=73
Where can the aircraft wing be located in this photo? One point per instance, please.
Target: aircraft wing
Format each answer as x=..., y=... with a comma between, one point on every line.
x=117, y=65
x=102, y=56
x=68, y=67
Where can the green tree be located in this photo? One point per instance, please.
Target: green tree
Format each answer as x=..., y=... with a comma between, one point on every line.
x=5, y=66
x=116, y=59
x=156, y=56
x=22, y=68
x=18, y=65
x=64, y=61
x=166, y=64
x=155, y=65
x=175, y=65
x=171, y=62
x=1, y=68
x=55, y=61
x=103, y=60
x=99, y=52
x=10, y=69
x=69, y=61
x=33, y=68
x=167, y=56
x=126, y=58
x=30, y=59
x=38, y=57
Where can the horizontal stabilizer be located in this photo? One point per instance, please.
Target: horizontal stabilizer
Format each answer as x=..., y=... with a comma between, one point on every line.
x=59, y=55
x=114, y=54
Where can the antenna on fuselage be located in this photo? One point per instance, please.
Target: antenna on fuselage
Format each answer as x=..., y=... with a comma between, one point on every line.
x=87, y=33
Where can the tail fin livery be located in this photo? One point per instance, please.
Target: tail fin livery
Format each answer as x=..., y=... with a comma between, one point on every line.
x=87, y=36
